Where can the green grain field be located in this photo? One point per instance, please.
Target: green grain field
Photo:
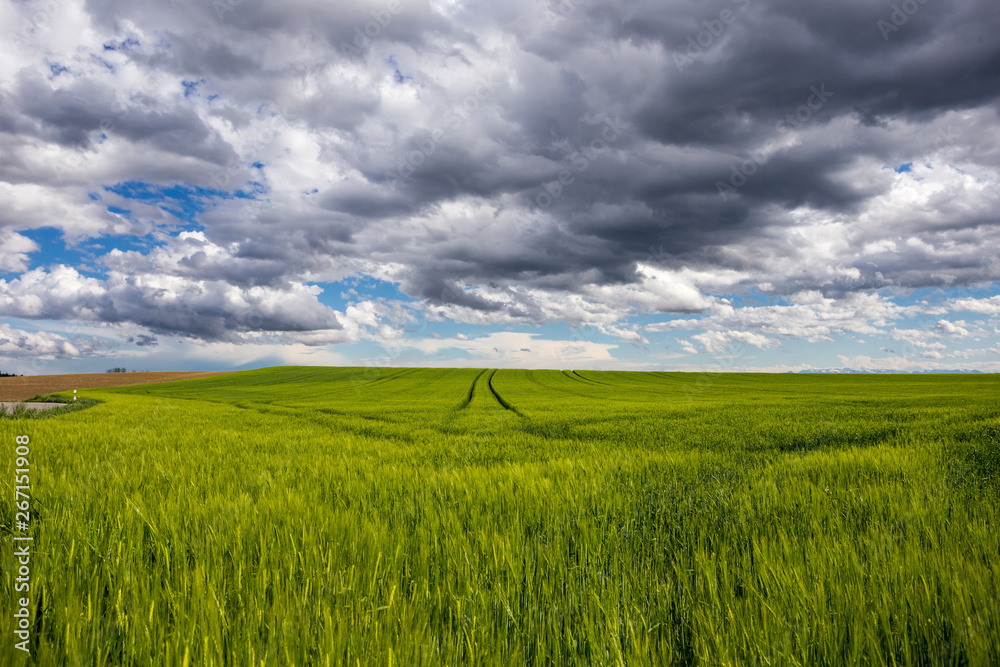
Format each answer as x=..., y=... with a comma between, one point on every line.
x=315, y=516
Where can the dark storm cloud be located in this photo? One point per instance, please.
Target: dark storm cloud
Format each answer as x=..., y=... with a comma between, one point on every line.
x=143, y=340
x=346, y=28
x=76, y=114
x=944, y=57
x=201, y=55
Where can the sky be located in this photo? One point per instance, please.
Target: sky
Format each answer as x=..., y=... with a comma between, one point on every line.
x=702, y=185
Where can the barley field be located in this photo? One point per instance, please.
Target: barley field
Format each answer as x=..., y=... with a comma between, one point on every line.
x=315, y=516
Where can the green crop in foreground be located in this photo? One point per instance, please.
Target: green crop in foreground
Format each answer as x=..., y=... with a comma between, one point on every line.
x=297, y=516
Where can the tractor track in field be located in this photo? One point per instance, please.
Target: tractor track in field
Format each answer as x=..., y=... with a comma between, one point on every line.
x=576, y=377
x=390, y=376
x=343, y=413
x=588, y=380
x=472, y=390
x=500, y=399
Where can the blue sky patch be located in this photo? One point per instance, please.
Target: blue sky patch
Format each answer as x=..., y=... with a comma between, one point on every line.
x=191, y=87
x=183, y=201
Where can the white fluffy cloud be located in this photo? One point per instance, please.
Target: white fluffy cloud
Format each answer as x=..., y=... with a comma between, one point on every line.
x=988, y=306
x=19, y=344
x=517, y=350
x=809, y=316
x=165, y=303
x=14, y=251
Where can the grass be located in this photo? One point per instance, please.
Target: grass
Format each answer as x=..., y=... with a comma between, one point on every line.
x=312, y=516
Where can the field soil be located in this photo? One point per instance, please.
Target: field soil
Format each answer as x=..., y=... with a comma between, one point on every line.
x=23, y=388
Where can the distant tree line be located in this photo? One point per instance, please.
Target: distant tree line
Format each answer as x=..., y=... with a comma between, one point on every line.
x=9, y=375
x=117, y=369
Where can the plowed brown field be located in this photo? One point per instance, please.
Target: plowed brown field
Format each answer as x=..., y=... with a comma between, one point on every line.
x=21, y=388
